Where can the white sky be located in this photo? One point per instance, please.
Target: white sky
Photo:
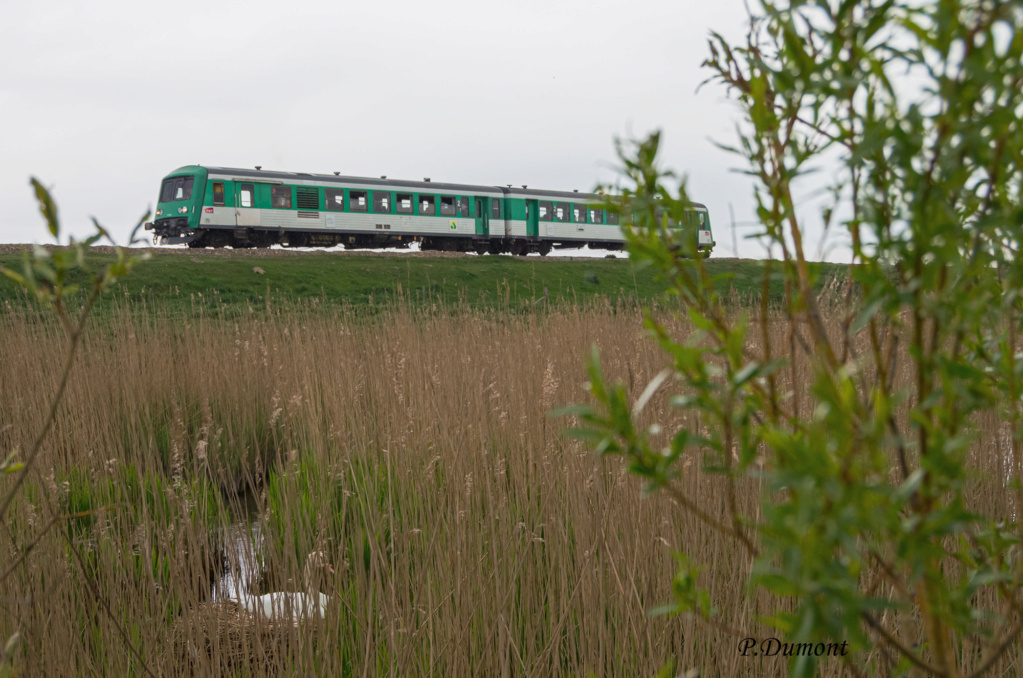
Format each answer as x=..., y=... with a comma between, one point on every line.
x=101, y=99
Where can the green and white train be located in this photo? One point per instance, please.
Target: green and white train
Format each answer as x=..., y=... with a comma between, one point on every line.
x=218, y=207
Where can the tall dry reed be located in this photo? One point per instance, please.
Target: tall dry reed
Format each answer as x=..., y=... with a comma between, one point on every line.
x=414, y=446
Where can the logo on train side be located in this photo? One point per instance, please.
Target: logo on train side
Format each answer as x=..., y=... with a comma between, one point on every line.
x=208, y=210
x=453, y=225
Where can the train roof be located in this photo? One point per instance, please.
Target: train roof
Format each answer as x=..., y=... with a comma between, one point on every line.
x=348, y=180
x=403, y=183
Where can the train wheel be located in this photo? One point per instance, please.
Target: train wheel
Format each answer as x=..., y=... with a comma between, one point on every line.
x=201, y=242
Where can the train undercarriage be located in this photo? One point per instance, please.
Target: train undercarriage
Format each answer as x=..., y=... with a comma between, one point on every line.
x=245, y=238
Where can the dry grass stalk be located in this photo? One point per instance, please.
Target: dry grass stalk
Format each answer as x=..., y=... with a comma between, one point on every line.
x=481, y=541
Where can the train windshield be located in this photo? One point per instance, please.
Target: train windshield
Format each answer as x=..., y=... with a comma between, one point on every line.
x=698, y=217
x=176, y=188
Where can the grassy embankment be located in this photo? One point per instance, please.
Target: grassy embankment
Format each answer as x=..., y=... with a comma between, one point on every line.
x=413, y=443
x=173, y=279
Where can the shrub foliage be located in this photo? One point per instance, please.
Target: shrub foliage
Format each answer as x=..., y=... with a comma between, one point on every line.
x=869, y=527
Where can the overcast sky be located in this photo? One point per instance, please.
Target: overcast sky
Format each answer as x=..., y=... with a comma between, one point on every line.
x=101, y=99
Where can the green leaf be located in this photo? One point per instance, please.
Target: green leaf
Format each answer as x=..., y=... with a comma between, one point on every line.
x=46, y=206
x=649, y=391
x=570, y=411
x=664, y=610
x=583, y=433
x=141, y=223
x=9, y=461
x=745, y=374
x=101, y=232
x=20, y=279
x=668, y=670
x=864, y=317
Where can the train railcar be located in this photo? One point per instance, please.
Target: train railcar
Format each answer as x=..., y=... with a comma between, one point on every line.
x=219, y=207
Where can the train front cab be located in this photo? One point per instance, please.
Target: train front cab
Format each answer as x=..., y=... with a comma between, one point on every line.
x=700, y=218
x=179, y=206
x=696, y=228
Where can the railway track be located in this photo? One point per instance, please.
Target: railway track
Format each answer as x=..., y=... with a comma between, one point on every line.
x=259, y=253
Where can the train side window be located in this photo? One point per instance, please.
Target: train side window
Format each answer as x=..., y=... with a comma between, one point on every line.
x=612, y=217
x=335, y=198
x=447, y=206
x=245, y=195
x=546, y=211
x=280, y=196
x=357, y=201
x=404, y=203
x=579, y=214
x=596, y=216
x=218, y=193
x=382, y=202
x=561, y=212
x=495, y=208
x=427, y=205
x=462, y=206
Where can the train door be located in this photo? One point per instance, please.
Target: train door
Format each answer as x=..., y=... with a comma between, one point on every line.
x=482, y=220
x=245, y=212
x=532, y=219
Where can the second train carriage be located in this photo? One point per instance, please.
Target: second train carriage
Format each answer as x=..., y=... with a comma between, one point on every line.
x=217, y=207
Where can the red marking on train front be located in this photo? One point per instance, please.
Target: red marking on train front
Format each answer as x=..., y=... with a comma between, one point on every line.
x=208, y=210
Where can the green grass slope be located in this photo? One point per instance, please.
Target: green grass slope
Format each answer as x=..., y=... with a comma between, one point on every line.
x=176, y=280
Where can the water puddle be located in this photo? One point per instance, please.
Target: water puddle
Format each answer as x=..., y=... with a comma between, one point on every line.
x=242, y=541
x=243, y=546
